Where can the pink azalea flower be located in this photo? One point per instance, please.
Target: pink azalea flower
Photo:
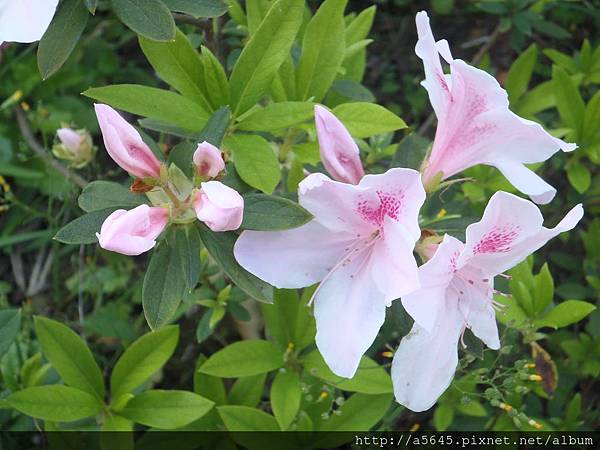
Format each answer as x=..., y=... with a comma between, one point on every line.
x=475, y=125
x=125, y=145
x=25, y=20
x=220, y=207
x=339, y=153
x=359, y=246
x=133, y=232
x=208, y=160
x=457, y=293
x=71, y=139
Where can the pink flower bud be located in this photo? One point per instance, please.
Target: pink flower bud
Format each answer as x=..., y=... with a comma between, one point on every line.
x=339, y=152
x=125, y=145
x=133, y=232
x=71, y=139
x=208, y=160
x=218, y=206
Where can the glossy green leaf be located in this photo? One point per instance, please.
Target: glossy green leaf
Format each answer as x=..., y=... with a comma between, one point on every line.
x=243, y=358
x=367, y=119
x=277, y=116
x=544, y=289
x=566, y=313
x=10, y=323
x=166, y=409
x=83, y=229
x=255, y=161
x=149, y=18
x=107, y=194
x=370, y=378
x=153, y=103
x=187, y=247
x=360, y=412
x=55, y=402
x=269, y=212
x=264, y=53
x=323, y=49
x=142, y=359
x=285, y=398
x=520, y=73
x=579, y=176
x=244, y=418
x=220, y=247
x=179, y=65
x=247, y=391
x=568, y=100
x=70, y=356
x=215, y=79
x=62, y=35
x=198, y=8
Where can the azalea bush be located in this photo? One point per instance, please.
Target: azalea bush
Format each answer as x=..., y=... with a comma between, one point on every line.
x=210, y=223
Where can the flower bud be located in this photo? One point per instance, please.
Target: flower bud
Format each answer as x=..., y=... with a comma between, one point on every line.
x=339, y=153
x=75, y=146
x=133, y=232
x=125, y=145
x=218, y=206
x=208, y=160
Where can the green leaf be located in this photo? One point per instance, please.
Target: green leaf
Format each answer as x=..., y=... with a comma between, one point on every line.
x=565, y=313
x=197, y=8
x=367, y=119
x=264, y=53
x=277, y=116
x=208, y=386
x=352, y=90
x=214, y=130
x=83, y=229
x=255, y=161
x=10, y=323
x=154, y=103
x=323, y=49
x=55, y=402
x=187, y=248
x=166, y=409
x=242, y=359
x=579, y=176
x=215, y=79
x=220, y=247
x=107, y=194
x=164, y=282
x=285, y=398
x=360, y=412
x=370, y=378
x=247, y=391
x=69, y=356
x=244, y=418
x=269, y=212
x=443, y=417
x=142, y=359
x=149, y=18
x=62, y=35
x=568, y=100
x=544, y=289
x=289, y=319
x=179, y=65
x=591, y=119
x=520, y=73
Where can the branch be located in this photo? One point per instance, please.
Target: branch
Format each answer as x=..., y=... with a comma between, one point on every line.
x=480, y=53
x=42, y=153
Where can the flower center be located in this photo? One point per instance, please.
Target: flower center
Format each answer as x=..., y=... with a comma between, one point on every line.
x=390, y=204
x=498, y=240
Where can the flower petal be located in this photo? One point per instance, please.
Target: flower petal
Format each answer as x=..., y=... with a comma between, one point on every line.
x=527, y=181
x=25, y=20
x=339, y=153
x=291, y=258
x=426, y=304
x=476, y=306
x=510, y=229
x=394, y=265
x=424, y=364
x=349, y=311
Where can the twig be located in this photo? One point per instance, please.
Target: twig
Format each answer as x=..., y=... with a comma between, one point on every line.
x=80, y=305
x=476, y=59
x=41, y=152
